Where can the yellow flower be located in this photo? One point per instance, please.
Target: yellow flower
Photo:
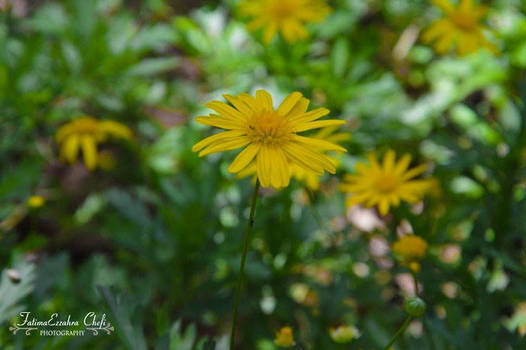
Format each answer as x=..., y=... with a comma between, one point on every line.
x=385, y=184
x=285, y=337
x=287, y=16
x=36, y=201
x=410, y=248
x=461, y=26
x=86, y=133
x=344, y=334
x=270, y=136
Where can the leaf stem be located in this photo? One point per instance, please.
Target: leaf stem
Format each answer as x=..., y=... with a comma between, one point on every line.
x=239, y=285
x=400, y=331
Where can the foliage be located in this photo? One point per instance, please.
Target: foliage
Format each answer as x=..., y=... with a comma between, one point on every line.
x=164, y=227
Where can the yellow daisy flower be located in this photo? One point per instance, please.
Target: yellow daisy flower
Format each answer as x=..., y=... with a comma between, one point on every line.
x=384, y=185
x=271, y=136
x=285, y=338
x=410, y=249
x=36, y=201
x=86, y=133
x=343, y=334
x=286, y=16
x=461, y=27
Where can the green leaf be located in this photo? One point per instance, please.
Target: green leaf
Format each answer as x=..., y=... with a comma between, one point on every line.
x=153, y=66
x=120, y=307
x=15, y=285
x=340, y=57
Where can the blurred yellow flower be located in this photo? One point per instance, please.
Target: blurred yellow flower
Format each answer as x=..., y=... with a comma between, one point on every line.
x=86, y=133
x=303, y=294
x=36, y=201
x=410, y=249
x=386, y=184
x=286, y=16
x=285, y=338
x=271, y=136
x=461, y=27
x=344, y=334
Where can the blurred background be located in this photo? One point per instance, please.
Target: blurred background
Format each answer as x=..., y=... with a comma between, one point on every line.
x=151, y=234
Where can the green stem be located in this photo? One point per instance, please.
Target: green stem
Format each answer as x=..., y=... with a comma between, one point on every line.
x=400, y=331
x=415, y=282
x=429, y=335
x=246, y=240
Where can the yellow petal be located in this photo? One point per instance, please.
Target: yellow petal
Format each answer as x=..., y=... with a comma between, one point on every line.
x=239, y=104
x=231, y=144
x=466, y=6
x=445, y=5
x=415, y=172
x=250, y=101
x=264, y=166
x=220, y=122
x=222, y=136
x=309, y=116
x=318, y=124
x=446, y=42
x=308, y=158
x=70, y=148
x=373, y=161
x=270, y=32
x=318, y=144
x=288, y=103
x=383, y=207
x=280, y=170
x=89, y=150
x=299, y=108
x=244, y=158
x=402, y=164
x=63, y=132
x=389, y=161
x=225, y=111
x=115, y=129
x=264, y=99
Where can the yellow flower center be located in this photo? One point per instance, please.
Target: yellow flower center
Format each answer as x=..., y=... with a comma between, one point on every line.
x=387, y=183
x=269, y=128
x=465, y=21
x=282, y=9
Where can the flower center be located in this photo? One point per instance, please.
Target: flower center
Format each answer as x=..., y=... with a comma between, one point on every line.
x=465, y=21
x=282, y=9
x=269, y=128
x=386, y=183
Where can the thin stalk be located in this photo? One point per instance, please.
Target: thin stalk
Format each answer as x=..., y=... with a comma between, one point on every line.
x=400, y=331
x=415, y=282
x=429, y=335
x=239, y=285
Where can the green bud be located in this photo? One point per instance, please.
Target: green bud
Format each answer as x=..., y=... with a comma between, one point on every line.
x=415, y=306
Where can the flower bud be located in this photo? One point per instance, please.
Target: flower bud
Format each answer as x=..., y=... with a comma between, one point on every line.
x=415, y=306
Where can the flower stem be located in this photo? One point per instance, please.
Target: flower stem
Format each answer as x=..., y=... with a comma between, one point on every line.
x=239, y=285
x=415, y=282
x=400, y=331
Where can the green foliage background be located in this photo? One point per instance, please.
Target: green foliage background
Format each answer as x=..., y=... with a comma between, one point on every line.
x=164, y=228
